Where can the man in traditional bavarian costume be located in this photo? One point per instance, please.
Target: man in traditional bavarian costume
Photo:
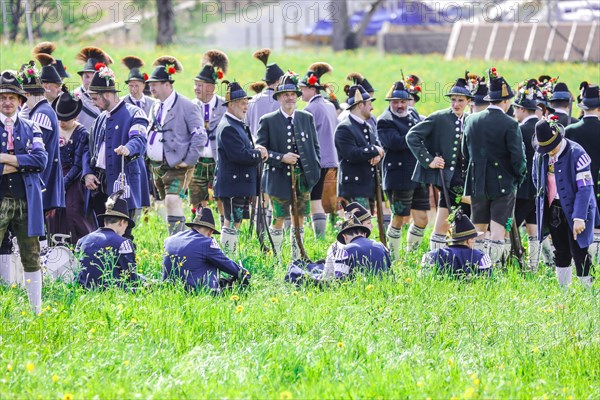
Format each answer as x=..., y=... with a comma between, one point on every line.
x=90, y=56
x=114, y=158
x=22, y=158
x=358, y=79
x=290, y=137
x=263, y=103
x=406, y=197
x=324, y=195
x=236, y=181
x=586, y=133
x=565, y=199
x=174, y=141
x=51, y=80
x=136, y=82
x=49, y=48
x=525, y=108
x=478, y=90
x=436, y=143
x=358, y=150
x=42, y=114
x=496, y=164
x=214, y=65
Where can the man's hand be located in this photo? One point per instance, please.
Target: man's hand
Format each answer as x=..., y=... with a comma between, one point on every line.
x=263, y=152
x=578, y=228
x=290, y=158
x=182, y=165
x=381, y=151
x=375, y=160
x=122, y=151
x=465, y=199
x=438, y=162
x=3, y=158
x=8, y=169
x=91, y=181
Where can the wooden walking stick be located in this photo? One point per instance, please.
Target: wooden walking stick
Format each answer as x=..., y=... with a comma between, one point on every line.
x=296, y=217
x=379, y=200
x=261, y=218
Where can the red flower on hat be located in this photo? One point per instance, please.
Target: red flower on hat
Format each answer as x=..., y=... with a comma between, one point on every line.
x=194, y=211
x=65, y=67
x=99, y=65
x=554, y=118
x=417, y=88
x=312, y=80
x=171, y=70
x=410, y=79
x=146, y=77
x=219, y=74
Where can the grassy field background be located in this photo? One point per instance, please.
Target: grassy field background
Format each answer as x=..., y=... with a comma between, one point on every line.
x=410, y=334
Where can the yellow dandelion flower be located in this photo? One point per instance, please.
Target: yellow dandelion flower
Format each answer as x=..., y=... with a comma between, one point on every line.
x=420, y=384
x=407, y=280
x=23, y=313
x=30, y=367
x=14, y=285
x=235, y=297
x=535, y=349
x=570, y=397
x=274, y=300
x=285, y=395
x=476, y=381
x=369, y=288
x=9, y=367
x=294, y=293
x=340, y=345
x=55, y=378
x=564, y=390
x=453, y=398
x=469, y=393
x=450, y=362
x=133, y=321
x=28, y=281
x=239, y=309
x=120, y=307
x=473, y=376
x=126, y=362
x=68, y=396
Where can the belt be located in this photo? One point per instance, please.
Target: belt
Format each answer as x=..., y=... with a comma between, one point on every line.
x=207, y=160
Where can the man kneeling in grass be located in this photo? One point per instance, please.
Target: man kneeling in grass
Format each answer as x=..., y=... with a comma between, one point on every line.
x=460, y=258
x=194, y=257
x=108, y=258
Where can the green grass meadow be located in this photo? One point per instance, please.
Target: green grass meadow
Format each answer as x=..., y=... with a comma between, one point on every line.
x=410, y=334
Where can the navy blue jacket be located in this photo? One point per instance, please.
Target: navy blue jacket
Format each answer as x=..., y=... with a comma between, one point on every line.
x=458, y=260
x=237, y=163
x=54, y=195
x=119, y=123
x=355, y=144
x=575, y=187
x=527, y=191
x=108, y=259
x=587, y=133
x=363, y=255
x=71, y=154
x=32, y=157
x=399, y=162
x=197, y=260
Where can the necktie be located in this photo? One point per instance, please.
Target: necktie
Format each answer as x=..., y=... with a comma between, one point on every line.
x=551, y=189
x=8, y=126
x=138, y=103
x=159, y=114
x=206, y=115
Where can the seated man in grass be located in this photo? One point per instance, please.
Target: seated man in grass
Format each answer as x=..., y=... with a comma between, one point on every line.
x=194, y=257
x=108, y=258
x=353, y=252
x=460, y=258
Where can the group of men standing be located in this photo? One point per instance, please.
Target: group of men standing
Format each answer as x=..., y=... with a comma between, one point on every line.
x=155, y=141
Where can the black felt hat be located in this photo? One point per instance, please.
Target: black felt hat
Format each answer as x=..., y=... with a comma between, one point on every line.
x=352, y=223
x=234, y=92
x=103, y=80
x=357, y=94
x=460, y=88
x=548, y=134
x=357, y=210
x=214, y=66
x=359, y=79
x=49, y=48
x=134, y=65
x=30, y=79
x=116, y=206
x=287, y=83
x=527, y=95
x=398, y=92
x=498, y=89
x=10, y=84
x=49, y=74
x=273, y=72
x=590, y=97
x=66, y=106
x=204, y=217
x=461, y=229
x=560, y=92
x=91, y=56
x=314, y=74
x=165, y=68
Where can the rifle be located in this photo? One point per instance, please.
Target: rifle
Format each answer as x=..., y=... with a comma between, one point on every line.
x=261, y=218
x=516, y=247
x=296, y=216
x=445, y=190
x=379, y=200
